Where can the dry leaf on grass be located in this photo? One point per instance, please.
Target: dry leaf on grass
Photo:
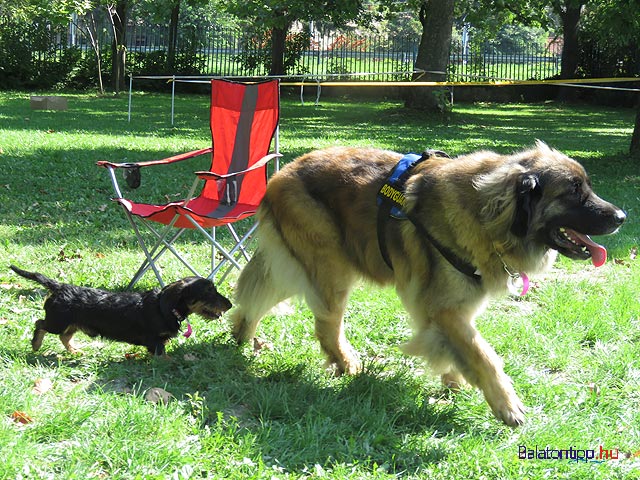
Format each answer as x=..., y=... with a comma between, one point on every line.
x=21, y=417
x=67, y=257
x=42, y=385
x=259, y=345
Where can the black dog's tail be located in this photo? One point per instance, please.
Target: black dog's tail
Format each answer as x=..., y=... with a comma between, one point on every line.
x=36, y=277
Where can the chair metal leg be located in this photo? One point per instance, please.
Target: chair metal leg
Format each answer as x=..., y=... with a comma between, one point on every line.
x=240, y=243
x=147, y=254
x=213, y=249
x=155, y=253
x=164, y=242
x=213, y=241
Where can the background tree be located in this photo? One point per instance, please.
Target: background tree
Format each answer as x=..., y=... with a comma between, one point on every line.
x=118, y=18
x=83, y=14
x=570, y=12
x=634, y=149
x=436, y=18
x=180, y=15
x=616, y=25
x=276, y=17
x=174, y=18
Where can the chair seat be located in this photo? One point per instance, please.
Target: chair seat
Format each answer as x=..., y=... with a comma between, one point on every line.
x=206, y=212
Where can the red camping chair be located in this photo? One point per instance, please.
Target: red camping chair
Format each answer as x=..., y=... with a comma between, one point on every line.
x=244, y=120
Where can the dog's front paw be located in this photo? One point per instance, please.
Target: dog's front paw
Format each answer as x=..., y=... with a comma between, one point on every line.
x=506, y=406
x=242, y=330
x=512, y=413
x=347, y=366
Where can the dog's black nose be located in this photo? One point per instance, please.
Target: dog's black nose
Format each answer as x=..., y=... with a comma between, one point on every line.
x=620, y=216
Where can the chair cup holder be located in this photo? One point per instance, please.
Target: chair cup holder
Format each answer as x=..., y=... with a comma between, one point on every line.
x=132, y=175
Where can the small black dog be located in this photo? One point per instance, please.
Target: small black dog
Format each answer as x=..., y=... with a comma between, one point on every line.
x=149, y=319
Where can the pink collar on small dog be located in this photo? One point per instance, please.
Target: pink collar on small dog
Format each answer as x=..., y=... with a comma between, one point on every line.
x=180, y=318
x=189, y=331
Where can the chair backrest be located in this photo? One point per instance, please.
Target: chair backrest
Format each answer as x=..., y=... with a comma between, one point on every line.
x=244, y=119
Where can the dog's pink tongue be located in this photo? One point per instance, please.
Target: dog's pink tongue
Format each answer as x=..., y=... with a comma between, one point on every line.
x=598, y=252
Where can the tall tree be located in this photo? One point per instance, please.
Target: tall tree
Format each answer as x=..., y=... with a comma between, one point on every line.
x=118, y=16
x=634, y=149
x=569, y=12
x=436, y=18
x=174, y=18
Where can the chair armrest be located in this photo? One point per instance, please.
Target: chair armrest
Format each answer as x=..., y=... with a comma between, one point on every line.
x=134, y=168
x=205, y=175
x=164, y=161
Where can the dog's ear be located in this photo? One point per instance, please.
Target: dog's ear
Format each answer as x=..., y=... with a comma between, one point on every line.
x=527, y=194
x=170, y=296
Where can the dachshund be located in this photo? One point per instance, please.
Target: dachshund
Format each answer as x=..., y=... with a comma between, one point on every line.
x=148, y=318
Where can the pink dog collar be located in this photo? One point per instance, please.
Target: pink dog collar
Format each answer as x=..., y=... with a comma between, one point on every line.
x=518, y=284
x=189, y=331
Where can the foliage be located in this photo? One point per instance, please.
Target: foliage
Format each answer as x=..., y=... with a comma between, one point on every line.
x=610, y=39
x=255, y=55
x=31, y=56
x=193, y=13
x=276, y=19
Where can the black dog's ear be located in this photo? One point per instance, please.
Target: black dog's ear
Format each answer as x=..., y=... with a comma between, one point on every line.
x=528, y=192
x=169, y=298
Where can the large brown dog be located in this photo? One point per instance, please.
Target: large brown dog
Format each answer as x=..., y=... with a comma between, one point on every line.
x=494, y=213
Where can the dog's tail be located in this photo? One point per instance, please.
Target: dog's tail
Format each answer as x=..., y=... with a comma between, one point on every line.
x=36, y=277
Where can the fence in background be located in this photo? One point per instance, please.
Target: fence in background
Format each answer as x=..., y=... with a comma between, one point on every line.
x=227, y=52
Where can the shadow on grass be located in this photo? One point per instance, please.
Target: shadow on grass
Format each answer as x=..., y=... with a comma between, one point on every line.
x=295, y=415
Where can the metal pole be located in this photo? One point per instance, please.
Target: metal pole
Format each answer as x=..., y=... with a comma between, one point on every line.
x=130, y=89
x=173, y=96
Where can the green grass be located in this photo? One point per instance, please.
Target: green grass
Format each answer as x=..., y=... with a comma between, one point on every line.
x=571, y=345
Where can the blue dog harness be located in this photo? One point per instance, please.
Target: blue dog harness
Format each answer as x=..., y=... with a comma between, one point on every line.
x=391, y=204
x=392, y=192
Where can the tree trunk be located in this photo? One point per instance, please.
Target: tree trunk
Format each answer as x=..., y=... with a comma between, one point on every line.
x=570, y=16
x=436, y=17
x=278, y=45
x=570, y=50
x=635, y=138
x=173, y=37
x=118, y=47
x=88, y=27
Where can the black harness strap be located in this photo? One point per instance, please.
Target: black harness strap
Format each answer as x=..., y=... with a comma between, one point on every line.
x=391, y=202
x=391, y=199
x=461, y=265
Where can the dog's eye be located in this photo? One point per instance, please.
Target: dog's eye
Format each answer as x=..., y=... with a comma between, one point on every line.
x=577, y=187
